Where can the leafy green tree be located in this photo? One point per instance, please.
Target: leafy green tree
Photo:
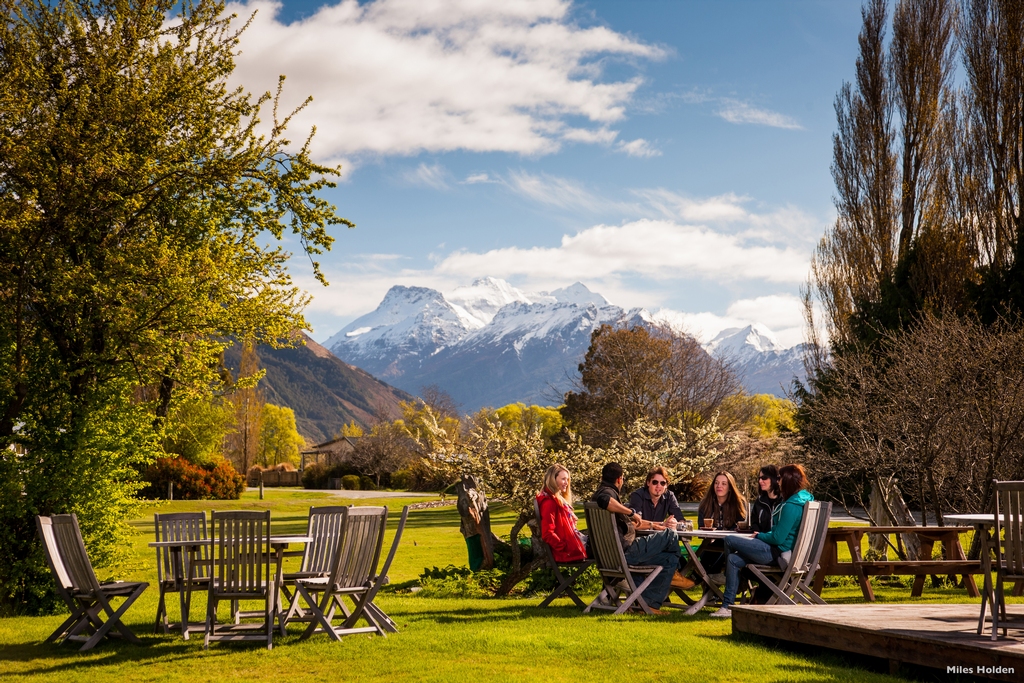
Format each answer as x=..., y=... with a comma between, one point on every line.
x=141, y=200
x=196, y=427
x=280, y=440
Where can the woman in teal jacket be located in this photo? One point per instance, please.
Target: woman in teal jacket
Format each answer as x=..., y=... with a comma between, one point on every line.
x=767, y=547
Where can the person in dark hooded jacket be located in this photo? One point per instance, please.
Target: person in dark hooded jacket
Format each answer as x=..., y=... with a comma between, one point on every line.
x=769, y=497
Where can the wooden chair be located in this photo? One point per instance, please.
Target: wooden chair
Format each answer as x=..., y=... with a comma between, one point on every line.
x=1009, y=546
x=88, y=599
x=242, y=562
x=170, y=565
x=615, y=572
x=353, y=575
x=566, y=580
x=327, y=529
x=791, y=585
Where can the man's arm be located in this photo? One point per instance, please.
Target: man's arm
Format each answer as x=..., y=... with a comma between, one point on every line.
x=618, y=508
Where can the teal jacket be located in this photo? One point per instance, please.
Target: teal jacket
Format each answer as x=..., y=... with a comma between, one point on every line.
x=786, y=521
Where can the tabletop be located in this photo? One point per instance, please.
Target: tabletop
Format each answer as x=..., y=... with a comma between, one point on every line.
x=713, y=533
x=974, y=518
x=274, y=540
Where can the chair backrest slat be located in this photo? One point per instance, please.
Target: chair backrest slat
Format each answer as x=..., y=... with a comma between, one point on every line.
x=604, y=539
x=180, y=526
x=53, y=557
x=326, y=528
x=1010, y=525
x=242, y=551
x=355, y=561
x=803, y=545
x=68, y=538
x=545, y=549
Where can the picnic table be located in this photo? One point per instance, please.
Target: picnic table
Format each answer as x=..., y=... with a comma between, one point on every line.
x=709, y=590
x=954, y=562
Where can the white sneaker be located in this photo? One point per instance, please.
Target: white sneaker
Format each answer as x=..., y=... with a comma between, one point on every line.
x=722, y=613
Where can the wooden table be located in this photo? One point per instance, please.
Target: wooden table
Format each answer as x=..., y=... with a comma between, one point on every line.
x=693, y=564
x=955, y=561
x=188, y=559
x=983, y=524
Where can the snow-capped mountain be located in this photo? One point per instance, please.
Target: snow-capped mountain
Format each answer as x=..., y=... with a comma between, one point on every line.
x=764, y=366
x=491, y=343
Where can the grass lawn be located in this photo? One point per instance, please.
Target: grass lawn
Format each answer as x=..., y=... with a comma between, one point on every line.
x=439, y=639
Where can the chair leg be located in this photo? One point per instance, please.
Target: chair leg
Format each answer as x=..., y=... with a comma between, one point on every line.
x=636, y=595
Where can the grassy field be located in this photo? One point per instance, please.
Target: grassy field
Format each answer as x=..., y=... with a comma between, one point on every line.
x=439, y=639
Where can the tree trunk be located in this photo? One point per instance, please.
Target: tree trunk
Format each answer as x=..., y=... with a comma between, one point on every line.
x=518, y=572
x=476, y=517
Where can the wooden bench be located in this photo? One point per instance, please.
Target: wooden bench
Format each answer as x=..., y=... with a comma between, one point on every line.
x=955, y=561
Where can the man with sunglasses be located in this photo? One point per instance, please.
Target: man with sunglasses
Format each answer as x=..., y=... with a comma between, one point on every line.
x=657, y=505
x=655, y=502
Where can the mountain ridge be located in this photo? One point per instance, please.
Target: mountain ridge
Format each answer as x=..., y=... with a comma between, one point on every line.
x=490, y=343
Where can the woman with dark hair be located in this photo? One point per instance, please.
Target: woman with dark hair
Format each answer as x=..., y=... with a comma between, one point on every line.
x=557, y=519
x=723, y=503
x=769, y=497
x=767, y=547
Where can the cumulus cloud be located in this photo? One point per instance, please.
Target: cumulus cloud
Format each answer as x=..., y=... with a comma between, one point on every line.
x=658, y=249
x=738, y=112
x=638, y=148
x=407, y=76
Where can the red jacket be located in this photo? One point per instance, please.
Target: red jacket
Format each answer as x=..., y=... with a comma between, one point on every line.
x=558, y=529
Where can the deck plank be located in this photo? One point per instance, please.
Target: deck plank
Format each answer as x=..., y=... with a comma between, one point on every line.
x=936, y=636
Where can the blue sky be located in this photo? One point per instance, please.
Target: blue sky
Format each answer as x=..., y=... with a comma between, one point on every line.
x=667, y=154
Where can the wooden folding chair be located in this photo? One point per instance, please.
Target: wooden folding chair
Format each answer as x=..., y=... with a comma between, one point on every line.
x=788, y=585
x=611, y=563
x=88, y=599
x=565, y=580
x=170, y=564
x=1008, y=540
x=353, y=575
x=242, y=562
x=326, y=527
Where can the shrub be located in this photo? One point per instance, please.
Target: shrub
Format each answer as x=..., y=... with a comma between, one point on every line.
x=402, y=479
x=314, y=476
x=366, y=484
x=218, y=481
x=350, y=482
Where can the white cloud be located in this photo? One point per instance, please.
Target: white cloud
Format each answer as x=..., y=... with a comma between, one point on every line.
x=406, y=76
x=777, y=311
x=434, y=176
x=550, y=190
x=657, y=249
x=738, y=112
x=475, y=178
x=638, y=148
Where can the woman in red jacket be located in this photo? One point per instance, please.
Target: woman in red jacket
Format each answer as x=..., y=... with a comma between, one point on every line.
x=557, y=520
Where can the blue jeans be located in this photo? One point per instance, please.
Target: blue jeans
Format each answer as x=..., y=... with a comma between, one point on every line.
x=662, y=549
x=741, y=551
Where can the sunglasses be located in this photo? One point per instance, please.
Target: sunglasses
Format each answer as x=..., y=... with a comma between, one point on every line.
x=658, y=482
x=764, y=477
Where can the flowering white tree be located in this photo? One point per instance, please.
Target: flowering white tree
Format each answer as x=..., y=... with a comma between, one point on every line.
x=511, y=460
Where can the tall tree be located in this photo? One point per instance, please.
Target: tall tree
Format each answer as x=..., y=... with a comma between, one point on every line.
x=632, y=373
x=243, y=443
x=140, y=200
x=874, y=268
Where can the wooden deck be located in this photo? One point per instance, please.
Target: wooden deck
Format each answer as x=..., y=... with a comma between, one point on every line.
x=936, y=636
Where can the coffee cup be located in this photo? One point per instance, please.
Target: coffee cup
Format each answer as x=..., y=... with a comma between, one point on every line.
x=709, y=522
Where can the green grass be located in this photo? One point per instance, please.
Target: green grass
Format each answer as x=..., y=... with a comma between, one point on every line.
x=438, y=639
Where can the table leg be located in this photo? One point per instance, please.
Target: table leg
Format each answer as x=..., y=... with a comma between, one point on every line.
x=927, y=544
x=986, y=570
x=829, y=559
x=955, y=551
x=275, y=614
x=853, y=542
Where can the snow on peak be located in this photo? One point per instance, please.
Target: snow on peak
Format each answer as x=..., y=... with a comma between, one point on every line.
x=741, y=341
x=482, y=299
x=578, y=294
x=406, y=313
